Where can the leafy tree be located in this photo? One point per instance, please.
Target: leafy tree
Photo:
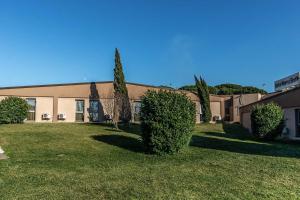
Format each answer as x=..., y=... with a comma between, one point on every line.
x=122, y=109
x=213, y=90
x=229, y=89
x=267, y=121
x=13, y=110
x=203, y=94
x=226, y=89
x=168, y=119
x=191, y=88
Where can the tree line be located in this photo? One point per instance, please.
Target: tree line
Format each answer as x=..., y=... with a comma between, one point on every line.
x=226, y=89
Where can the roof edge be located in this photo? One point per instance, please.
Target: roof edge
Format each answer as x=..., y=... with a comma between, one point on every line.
x=271, y=97
x=79, y=83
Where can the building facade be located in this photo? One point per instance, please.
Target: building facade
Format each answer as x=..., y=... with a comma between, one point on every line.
x=93, y=102
x=289, y=101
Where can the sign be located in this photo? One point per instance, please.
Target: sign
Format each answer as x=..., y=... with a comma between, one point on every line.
x=287, y=83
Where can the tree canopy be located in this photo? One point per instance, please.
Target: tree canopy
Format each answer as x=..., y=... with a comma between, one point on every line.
x=122, y=108
x=203, y=94
x=226, y=89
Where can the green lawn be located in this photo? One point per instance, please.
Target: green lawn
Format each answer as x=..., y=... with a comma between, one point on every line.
x=84, y=161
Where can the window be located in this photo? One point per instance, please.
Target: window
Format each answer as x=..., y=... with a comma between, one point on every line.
x=79, y=115
x=137, y=110
x=94, y=110
x=237, y=110
x=137, y=107
x=32, y=106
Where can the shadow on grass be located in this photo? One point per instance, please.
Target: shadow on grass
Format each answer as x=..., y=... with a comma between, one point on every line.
x=245, y=147
x=233, y=131
x=128, y=143
x=131, y=128
x=128, y=128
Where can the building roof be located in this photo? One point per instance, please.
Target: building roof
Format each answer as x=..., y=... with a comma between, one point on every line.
x=79, y=83
x=273, y=96
x=135, y=90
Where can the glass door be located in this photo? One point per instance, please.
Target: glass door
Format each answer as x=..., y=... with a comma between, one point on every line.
x=297, y=122
x=94, y=111
x=31, y=111
x=79, y=115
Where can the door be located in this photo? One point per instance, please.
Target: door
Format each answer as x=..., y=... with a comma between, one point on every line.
x=297, y=122
x=79, y=115
x=94, y=111
x=31, y=111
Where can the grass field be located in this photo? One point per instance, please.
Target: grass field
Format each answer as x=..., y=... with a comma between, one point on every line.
x=85, y=161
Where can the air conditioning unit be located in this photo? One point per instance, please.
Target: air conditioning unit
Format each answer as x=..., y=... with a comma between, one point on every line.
x=61, y=116
x=217, y=118
x=46, y=116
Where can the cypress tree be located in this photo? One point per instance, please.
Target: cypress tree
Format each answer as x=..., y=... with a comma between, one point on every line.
x=122, y=109
x=203, y=94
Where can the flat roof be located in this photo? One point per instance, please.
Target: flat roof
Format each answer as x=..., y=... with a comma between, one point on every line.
x=79, y=83
x=272, y=95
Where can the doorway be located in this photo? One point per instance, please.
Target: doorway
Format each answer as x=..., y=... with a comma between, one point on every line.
x=79, y=114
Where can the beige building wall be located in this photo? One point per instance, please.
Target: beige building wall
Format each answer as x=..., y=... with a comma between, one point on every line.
x=215, y=108
x=67, y=106
x=198, y=111
x=288, y=101
x=290, y=123
x=290, y=126
x=246, y=121
x=242, y=100
x=63, y=96
x=43, y=105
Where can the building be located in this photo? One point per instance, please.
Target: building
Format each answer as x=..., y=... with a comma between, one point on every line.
x=288, y=83
x=233, y=103
x=92, y=102
x=289, y=101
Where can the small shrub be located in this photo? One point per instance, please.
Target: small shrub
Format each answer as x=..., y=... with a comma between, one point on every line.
x=167, y=121
x=13, y=110
x=267, y=121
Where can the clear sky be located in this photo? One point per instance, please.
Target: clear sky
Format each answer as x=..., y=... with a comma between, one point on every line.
x=162, y=42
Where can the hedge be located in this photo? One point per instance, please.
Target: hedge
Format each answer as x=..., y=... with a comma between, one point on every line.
x=13, y=110
x=267, y=121
x=167, y=121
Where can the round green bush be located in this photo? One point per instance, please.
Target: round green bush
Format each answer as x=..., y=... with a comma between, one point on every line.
x=267, y=121
x=167, y=121
x=13, y=110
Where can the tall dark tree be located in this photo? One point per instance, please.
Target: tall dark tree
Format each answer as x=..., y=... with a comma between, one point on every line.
x=122, y=109
x=203, y=94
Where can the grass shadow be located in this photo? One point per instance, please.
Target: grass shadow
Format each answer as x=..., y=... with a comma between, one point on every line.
x=113, y=130
x=233, y=131
x=128, y=143
x=245, y=147
x=131, y=128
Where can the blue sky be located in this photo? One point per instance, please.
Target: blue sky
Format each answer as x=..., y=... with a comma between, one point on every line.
x=162, y=42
